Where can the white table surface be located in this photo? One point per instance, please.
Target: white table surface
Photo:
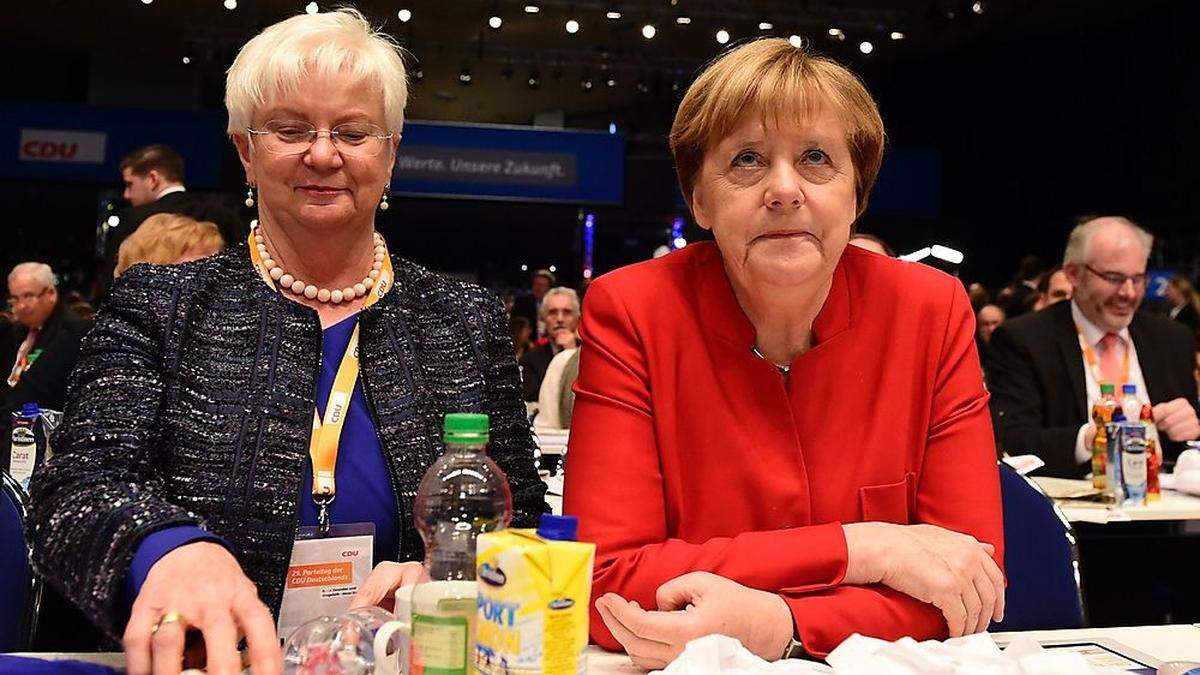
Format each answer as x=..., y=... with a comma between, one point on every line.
x=1166, y=643
x=1172, y=506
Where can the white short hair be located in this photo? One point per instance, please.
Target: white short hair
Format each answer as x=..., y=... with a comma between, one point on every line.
x=40, y=272
x=1080, y=239
x=569, y=293
x=274, y=62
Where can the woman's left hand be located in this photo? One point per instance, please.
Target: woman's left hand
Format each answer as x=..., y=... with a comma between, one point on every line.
x=379, y=590
x=692, y=606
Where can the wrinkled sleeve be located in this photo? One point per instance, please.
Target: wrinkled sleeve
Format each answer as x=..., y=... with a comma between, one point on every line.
x=958, y=489
x=615, y=486
x=512, y=445
x=100, y=494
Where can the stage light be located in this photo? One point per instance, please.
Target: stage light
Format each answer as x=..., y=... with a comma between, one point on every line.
x=405, y=15
x=524, y=268
x=610, y=82
x=572, y=26
x=612, y=127
x=796, y=41
x=311, y=7
x=585, y=82
x=722, y=36
x=897, y=35
x=532, y=9
x=495, y=22
x=553, y=268
x=146, y=2
x=187, y=60
x=231, y=5
x=837, y=34
x=613, y=13
x=683, y=20
x=977, y=8
x=535, y=80
x=765, y=25
x=866, y=47
x=649, y=31
x=464, y=76
x=114, y=221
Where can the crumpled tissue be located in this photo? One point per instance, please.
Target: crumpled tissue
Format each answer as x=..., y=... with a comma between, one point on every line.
x=860, y=655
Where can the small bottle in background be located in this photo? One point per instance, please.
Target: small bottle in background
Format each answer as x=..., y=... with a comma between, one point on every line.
x=23, y=453
x=1112, y=473
x=1130, y=405
x=1154, y=458
x=1102, y=413
x=1133, y=463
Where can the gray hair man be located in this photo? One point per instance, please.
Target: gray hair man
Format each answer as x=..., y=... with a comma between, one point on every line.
x=560, y=312
x=1045, y=368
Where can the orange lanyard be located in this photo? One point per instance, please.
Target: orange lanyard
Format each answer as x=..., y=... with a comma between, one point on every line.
x=327, y=433
x=1093, y=361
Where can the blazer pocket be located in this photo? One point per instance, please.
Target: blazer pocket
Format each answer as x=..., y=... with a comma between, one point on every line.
x=890, y=503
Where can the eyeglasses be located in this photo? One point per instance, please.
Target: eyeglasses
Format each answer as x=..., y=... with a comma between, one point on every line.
x=1117, y=279
x=295, y=137
x=25, y=298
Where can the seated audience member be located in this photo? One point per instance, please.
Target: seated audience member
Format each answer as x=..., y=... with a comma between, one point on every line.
x=872, y=243
x=769, y=440
x=1053, y=287
x=44, y=344
x=560, y=314
x=987, y=319
x=979, y=296
x=154, y=183
x=1045, y=369
x=527, y=303
x=1184, y=302
x=168, y=239
x=187, y=458
x=522, y=335
x=1018, y=297
x=556, y=398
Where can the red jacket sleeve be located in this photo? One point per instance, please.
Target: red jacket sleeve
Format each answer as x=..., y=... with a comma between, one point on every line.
x=958, y=489
x=615, y=486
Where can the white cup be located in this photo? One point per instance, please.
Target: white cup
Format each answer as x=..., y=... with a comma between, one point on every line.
x=395, y=663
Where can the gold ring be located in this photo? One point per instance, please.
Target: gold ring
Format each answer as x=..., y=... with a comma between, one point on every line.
x=169, y=617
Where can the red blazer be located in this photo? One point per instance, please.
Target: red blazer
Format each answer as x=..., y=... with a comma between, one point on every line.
x=688, y=452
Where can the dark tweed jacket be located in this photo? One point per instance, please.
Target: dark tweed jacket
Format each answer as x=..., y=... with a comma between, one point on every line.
x=192, y=404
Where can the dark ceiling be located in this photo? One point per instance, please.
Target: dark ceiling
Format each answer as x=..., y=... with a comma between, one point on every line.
x=446, y=36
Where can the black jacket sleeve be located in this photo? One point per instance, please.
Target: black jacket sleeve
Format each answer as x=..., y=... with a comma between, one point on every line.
x=1017, y=403
x=98, y=496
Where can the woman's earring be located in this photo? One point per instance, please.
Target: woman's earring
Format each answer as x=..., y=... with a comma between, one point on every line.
x=250, y=196
x=383, y=205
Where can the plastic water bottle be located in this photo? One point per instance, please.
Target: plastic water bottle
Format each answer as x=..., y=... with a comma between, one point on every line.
x=23, y=454
x=463, y=495
x=1113, y=489
x=1133, y=463
x=1130, y=405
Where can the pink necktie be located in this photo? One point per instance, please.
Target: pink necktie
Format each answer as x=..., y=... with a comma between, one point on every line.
x=1110, y=367
x=22, y=363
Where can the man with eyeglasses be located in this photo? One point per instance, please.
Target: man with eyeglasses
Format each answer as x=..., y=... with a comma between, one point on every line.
x=45, y=343
x=1045, y=368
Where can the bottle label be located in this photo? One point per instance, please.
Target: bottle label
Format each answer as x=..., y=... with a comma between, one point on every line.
x=23, y=455
x=439, y=645
x=1133, y=466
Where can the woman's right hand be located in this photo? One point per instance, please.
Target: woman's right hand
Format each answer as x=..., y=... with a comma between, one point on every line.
x=952, y=571
x=204, y=584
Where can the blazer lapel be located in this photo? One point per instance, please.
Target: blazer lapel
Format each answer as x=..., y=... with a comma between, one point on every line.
x=1149, y=358
x=1068, y=346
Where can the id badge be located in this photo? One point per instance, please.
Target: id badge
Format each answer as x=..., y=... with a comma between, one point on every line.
x=325, y=573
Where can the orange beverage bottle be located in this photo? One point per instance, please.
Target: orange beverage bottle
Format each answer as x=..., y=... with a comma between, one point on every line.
x=1153, y=455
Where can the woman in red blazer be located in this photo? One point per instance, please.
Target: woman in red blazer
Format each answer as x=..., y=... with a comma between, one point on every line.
x=776, y=436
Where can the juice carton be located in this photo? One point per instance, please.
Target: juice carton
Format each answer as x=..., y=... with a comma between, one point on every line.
x=534, y=592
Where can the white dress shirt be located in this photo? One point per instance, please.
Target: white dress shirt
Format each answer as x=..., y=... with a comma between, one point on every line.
x=167, y=191
x=1093, y=334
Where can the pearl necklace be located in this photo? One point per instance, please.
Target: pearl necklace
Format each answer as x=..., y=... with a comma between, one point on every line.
x=336, y=296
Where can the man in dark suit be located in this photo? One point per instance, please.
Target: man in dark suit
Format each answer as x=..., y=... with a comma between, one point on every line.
x=44, y=344
x=153, y=178
x=1044, y=368
x=560, y=311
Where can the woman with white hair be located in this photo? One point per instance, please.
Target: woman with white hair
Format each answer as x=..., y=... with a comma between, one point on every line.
x=185, y=466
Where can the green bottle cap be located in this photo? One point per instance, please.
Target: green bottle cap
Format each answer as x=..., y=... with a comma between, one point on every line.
x=1106, y=388
x=465, y=428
